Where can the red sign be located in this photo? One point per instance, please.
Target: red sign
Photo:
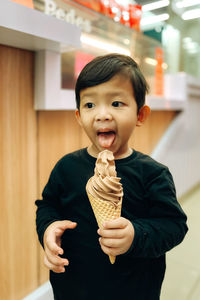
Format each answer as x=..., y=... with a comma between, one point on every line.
x=81, y=59
x=135, y=14
x=128, y=15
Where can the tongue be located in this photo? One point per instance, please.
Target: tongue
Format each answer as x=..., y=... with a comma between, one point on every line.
x=106, y=139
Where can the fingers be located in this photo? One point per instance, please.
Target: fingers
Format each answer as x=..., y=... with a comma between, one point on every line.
x=55, y=230
x=110, y=251
x=113, y=228
x=52, y=245
x=111, y=243
x=53, y=261
x=111, y=233
x=116, y=223
x=63, y=225
x=116, y=236
x=112, y=246
x=54, y=257
x=57, y=267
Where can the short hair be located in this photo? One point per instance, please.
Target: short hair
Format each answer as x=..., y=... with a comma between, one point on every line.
x=103, y=68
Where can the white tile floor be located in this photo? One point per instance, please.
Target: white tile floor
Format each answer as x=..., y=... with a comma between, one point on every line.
x=182, y=280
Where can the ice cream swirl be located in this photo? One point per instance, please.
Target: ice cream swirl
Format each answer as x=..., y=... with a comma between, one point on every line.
x=105, y=184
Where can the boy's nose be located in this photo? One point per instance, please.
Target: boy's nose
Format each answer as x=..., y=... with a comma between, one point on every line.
x=103, y=115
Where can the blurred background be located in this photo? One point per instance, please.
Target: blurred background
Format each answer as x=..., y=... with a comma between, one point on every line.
x=44, y=44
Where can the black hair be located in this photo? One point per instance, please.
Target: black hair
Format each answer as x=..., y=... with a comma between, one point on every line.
x=103, y=68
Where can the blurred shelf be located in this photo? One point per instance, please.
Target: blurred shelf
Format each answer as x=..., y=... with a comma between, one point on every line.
x=179, y=89
x=26, y=28
x=161, y=103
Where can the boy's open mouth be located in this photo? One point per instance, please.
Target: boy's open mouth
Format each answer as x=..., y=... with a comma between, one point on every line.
x=106, y=138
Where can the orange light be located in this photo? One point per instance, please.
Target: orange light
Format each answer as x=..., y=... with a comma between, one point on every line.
x=159, y=76
x=28, y=3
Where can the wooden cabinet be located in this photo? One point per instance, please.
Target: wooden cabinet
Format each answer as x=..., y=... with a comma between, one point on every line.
x=18, y=174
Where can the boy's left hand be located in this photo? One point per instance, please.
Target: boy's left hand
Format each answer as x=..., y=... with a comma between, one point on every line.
x=116, y=236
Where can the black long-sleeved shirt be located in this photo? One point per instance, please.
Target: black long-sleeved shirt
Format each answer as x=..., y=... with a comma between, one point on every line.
x=149, y=202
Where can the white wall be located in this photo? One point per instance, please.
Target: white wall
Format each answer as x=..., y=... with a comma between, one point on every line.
x=182, y=279
x=179, y=148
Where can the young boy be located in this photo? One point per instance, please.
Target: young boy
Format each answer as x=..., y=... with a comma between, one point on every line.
x=110, y=96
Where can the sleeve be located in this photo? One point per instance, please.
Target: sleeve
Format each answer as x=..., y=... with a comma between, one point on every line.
x=48, y=210
x=165, y=225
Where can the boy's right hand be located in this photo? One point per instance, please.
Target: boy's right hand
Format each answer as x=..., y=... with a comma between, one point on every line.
x=52, y=245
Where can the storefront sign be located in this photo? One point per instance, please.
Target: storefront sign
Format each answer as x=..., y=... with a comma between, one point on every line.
x=70, y=16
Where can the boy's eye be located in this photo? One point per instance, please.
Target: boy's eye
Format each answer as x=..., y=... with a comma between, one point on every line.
x=89, y=105
x=117, y=104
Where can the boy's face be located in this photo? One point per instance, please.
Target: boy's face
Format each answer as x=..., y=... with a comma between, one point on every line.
x=108, y=114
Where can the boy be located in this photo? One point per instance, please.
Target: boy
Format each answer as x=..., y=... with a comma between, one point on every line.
x=110, y=96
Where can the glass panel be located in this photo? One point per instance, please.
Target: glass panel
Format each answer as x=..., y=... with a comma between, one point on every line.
x=100, y=35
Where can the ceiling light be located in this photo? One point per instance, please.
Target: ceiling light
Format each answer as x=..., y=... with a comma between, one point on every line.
x=187, y=39
x=154, y=19
x=123, y=2
x=192, y=45
x=126, y=41
x=164, y=66
x=155, y=5
x=187, y=3
x=191, y=14
x=153, y=62
x=101, y=44
x=150, y=61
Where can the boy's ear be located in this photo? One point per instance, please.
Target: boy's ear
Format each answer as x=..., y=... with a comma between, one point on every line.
x=78, y=117
x=143, y=115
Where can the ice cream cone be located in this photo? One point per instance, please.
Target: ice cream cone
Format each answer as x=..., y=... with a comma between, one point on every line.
x=104, y=211
x=105, y=191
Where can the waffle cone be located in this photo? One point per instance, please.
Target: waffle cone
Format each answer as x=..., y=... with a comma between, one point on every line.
x=104, y=211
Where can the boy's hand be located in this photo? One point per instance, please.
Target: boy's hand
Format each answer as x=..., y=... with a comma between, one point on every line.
x=116, y=236
x=52, y=245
